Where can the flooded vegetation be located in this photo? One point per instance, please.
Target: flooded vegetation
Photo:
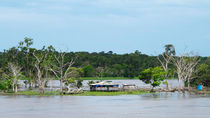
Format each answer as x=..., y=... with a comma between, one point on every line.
x=105, y=59
x=55, y=84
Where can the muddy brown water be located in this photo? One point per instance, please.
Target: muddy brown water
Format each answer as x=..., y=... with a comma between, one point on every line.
x=157, y=105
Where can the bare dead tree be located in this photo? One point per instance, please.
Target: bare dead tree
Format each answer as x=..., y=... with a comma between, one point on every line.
x=192, y=62
x=164, y=63
x=166, y=60
x=185, y=65
x=60, y=70
x=16, y=73
x=39, y=67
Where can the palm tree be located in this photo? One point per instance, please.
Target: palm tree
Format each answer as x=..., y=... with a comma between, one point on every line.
x=170, y=50
x=166, y=59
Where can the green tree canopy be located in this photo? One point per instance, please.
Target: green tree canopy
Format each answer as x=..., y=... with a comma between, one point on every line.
x=153, y=76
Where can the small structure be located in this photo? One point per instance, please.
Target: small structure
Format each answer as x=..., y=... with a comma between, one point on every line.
x=199, y=87
x=104, y=86
x=129, y=87
x=74, y=91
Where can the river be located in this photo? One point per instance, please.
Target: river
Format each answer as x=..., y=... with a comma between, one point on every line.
x=157, y=105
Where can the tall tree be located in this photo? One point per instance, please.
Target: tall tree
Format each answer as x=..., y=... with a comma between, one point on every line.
x=16, y=73
x=185, y=65
x=169, y=49
x=27, y=58
x=40, y=58
x=62, y=68
x=166, y=59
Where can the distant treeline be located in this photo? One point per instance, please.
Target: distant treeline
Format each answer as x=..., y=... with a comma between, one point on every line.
x=108, y=63
x=112, y=64
x=38, y=66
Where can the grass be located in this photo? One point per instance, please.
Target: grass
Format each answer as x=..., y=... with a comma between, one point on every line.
x=97, y=93
x=107, y=78
x=208, y=92
x=86, y=93
x=202, y=92
x=33, y=93
x=47, y=93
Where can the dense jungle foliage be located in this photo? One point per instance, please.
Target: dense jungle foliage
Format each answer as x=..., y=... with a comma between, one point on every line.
x=95, y=64
x=111, y=64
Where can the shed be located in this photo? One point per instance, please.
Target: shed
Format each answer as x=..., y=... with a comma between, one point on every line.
x=129, y=87
x=104, y=86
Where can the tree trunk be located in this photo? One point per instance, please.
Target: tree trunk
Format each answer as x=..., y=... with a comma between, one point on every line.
x=179, y=84
x=166, y=78
x=68, y=87
x=61, y=86
x=13, y=87
x=16, y=88
x=30, y=87
x=188, y=83
x=41, y=89
x=167, y=86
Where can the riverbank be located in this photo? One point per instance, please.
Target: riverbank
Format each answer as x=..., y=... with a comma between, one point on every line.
x=93, y=93
x=32, y=93
x=114, y=78
x=86, y=93
x=201, y=92
x=109, y=78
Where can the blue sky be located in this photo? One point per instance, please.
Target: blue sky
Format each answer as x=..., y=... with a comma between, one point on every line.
x=122, y=26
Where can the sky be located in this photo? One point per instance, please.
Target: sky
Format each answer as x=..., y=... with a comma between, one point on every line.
x=121, y=26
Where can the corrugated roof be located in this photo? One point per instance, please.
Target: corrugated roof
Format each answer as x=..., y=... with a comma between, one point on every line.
x=104, y=83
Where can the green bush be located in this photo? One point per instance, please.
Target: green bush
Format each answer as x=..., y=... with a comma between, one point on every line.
x=5, y=84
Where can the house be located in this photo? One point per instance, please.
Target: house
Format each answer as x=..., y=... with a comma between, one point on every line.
x=104, y=86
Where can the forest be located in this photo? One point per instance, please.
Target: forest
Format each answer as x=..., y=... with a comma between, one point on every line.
x=33, y=64
x=113, y=65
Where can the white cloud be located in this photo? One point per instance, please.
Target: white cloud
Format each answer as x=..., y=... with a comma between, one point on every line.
x=183, y=2
x=15, y=16
x=32, y=4
x=103, y=12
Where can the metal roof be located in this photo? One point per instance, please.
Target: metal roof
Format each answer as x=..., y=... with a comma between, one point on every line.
x=104, y=83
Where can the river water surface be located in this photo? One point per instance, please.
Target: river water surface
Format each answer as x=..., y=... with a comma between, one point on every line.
x=158, y=105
